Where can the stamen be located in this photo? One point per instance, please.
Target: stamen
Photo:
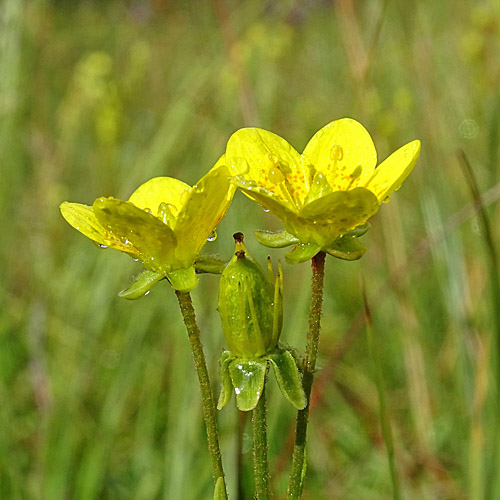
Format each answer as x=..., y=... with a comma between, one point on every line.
x=355, y=175
x=276, y=176
x=336, y=154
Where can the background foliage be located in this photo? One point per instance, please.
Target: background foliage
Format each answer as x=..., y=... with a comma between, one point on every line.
x=98, y=397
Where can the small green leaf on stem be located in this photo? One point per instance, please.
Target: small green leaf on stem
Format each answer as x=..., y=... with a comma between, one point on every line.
x=141, y=284
x=302, y=252
x=225, y=379
x=248, y=377
x=288, y=378
x=276, y=239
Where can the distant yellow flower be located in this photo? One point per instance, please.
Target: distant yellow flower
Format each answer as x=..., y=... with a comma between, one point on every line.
x=164, y=224
x=326, y=192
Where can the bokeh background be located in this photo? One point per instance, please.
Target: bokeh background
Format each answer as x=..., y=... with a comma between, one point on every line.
x=98, y=396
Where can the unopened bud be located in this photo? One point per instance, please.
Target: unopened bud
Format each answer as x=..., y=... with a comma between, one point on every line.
x=250, y=305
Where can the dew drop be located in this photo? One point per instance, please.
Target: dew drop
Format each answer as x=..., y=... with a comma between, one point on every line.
x=165, y=213
x=337, y=153
x=275, y=175
x=266, y=210
x=212, y=236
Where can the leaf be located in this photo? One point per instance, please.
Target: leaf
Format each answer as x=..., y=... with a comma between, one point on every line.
x=346, y=248
x=359, y=231
x=302, y=252
x=248, y=378
x=288, y=378
x=276, y=239
x=225, y=379
x=220, y=490
x=212, y=264
x=183, y=280
x=141, y=284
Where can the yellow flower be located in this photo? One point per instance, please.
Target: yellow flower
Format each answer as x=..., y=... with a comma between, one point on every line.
x=323, y=194
x=164, y=224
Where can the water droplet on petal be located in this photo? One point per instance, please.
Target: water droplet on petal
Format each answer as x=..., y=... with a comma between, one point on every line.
x=336, y=153
x=266, y=210
x=165, y=213
x=212, y=236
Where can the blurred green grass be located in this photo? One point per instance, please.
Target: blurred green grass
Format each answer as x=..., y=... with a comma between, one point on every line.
x=98, y=398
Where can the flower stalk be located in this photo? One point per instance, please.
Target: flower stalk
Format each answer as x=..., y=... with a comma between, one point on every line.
x=189, y=317
x=260, y=462
x=298, y=460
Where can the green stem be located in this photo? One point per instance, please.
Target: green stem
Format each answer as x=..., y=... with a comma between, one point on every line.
x=207, y=397
x=298, y=460
x=260, y=464
x=384, y=415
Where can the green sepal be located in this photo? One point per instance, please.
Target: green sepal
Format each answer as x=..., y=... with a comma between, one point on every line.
x=220, y=491
x=226, y=385
x=288, y=378
x=247, y=376
x=183, y=280
x=210, y=264
x=302, y=252
x=141, y=284
x=347, y=247
x=276, y=239
x=359, y=230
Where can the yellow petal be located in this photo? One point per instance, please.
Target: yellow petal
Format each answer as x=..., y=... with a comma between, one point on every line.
x=266, y=198
x=391, y=173
x=342, y=210
x=161, y=190
x=205, y=207
x=82, y=218
x=344, y=152
x=271, y=162
x=154, y=240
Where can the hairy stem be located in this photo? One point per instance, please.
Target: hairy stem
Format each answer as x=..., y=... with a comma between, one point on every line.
x=298, y=460
x=260, y=464
x=207, y=397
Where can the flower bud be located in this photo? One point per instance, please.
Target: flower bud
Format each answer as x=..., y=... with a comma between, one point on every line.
x=250, y=305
